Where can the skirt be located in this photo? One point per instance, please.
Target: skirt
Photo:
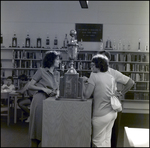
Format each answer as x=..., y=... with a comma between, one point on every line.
x=36, y=113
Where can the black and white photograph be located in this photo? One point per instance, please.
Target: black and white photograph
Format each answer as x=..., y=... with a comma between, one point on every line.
x=74, y=73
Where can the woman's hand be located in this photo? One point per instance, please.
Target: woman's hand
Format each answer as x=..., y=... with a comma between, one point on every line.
x=83, y=99
x=118, y=94
x=47, y=91
x=85, y=79
x=53, y=93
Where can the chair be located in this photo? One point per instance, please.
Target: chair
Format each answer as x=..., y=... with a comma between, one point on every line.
x=5, y=109
x=22, y=115
x=24, y=96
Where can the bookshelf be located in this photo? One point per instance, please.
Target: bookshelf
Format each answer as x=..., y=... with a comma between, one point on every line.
x=135, y=64
x=28, y=60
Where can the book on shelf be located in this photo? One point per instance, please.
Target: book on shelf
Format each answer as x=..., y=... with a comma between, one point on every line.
x=141, y=96
x=23, y=64
x=122, y=57
x=146, y=77
x=129, y=95
x=129, y=57
x=81, y=56
x=112, y=57
x=141, y=86
x=89, y=56
x=136, y=96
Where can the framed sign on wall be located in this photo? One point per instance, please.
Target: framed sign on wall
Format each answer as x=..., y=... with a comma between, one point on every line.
x=89, y=32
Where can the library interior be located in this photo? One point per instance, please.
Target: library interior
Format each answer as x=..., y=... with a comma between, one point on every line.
x=62, y=63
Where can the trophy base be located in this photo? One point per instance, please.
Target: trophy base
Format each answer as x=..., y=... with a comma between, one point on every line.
x=71, y=87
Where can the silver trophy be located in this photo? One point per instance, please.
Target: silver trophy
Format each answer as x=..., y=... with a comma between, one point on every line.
x=71, y=85
x=72, y=51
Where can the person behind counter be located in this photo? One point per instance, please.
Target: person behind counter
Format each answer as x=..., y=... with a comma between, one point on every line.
x=100, y=83
x=46, y=82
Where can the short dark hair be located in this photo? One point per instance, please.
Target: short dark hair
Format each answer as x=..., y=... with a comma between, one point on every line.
x=107, y=54
x=23, y=77
x=10, y=77
x=49, y=58
x=101, y=63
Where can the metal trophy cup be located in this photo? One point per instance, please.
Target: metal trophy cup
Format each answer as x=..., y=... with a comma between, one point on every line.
x=71, y=85
x=72, y=51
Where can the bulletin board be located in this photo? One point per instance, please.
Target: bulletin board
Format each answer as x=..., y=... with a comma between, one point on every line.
x=89, y=32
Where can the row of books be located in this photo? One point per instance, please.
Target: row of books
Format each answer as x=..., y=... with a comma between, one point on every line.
x=140, y=86
x=137, y=96
x=141, y=96
x=78, y=65
x=137, y=67
x=139, y=76
x=118, y=57
x=81, y=65
x=130, y=67
x=23, y=54
x=29, y=73
x=82, y=56
x=27, y=64
x=85, y=56
x=130, y=57
x=118, y=67
x=28, y=54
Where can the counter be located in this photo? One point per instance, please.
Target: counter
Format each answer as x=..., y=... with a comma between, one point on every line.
x=66, y=123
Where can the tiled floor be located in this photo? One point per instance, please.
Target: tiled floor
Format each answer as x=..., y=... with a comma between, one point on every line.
x=16, y=135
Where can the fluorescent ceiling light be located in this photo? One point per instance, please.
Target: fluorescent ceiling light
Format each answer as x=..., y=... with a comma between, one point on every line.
x=84, y=4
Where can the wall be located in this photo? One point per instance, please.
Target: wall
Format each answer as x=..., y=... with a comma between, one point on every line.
x=128, y=20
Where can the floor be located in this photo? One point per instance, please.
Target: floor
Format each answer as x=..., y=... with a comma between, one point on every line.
x=16, y=135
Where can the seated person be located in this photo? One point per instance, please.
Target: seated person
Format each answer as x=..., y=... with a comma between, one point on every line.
x=9, y=86
x=24, y=102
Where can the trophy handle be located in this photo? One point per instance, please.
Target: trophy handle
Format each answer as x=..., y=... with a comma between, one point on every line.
x=66, y=51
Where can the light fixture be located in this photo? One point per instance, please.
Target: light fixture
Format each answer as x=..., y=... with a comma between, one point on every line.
x=84, y=4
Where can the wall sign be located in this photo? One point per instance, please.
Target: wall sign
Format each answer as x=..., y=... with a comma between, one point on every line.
x=89, y=32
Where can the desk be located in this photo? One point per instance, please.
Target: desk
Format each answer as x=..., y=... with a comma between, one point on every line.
x=66, y=123
x=14, y=95
x=136, y=137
